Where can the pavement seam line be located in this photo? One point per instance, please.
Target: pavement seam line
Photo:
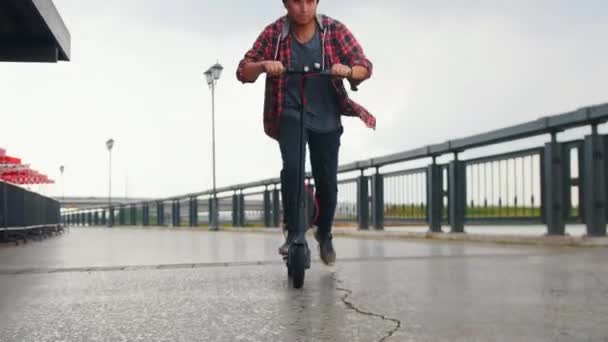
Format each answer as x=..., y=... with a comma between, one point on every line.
x=352, y=306
x=248, y=263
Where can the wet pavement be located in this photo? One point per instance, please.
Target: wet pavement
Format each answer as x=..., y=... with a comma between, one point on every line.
x=99, y=284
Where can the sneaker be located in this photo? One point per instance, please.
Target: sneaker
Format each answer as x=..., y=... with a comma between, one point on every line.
x=326, y=248
x=289, y=236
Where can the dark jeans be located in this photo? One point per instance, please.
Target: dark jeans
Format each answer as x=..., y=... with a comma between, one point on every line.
x=324, y=149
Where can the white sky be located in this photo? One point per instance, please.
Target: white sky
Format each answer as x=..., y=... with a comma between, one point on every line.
x=443, y=70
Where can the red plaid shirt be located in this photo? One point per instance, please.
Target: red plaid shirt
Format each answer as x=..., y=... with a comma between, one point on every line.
x=339, y=46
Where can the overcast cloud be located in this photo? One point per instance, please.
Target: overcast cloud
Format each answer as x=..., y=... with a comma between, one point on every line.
x=443, y=69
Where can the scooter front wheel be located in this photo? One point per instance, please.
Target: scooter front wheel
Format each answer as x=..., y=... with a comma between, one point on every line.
x=297, y=265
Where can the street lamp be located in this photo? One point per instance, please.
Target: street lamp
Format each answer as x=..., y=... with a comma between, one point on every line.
x=213, y=75
x=109, y=145
x=61, y=169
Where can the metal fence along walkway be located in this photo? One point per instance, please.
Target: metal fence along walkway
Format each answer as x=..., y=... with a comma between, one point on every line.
x=556, y=183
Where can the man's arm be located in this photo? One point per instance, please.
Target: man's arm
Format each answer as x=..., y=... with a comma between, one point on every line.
x=251, y=66
x=251, y=71
x=359, y=73
x=355, y=57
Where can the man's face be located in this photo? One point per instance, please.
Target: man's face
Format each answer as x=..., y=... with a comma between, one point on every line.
x=301, y=12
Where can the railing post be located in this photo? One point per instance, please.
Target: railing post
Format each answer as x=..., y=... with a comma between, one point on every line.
x=190, y=218
x=267, y=208
x=174, y=213
x=133, y=215
x=145, y=214
x=128, y=215
x=160, y=213
x=363, y=201
x=111, y=217
x=457, y=194
x=594, y=184
x=193, y=212
x=555, y=187
x=378, y=200
x=434, y=195
x=276, y=208
x=148, y=220
x=178, y=214
x=242, y=218
x=122, y=216
x=235, y=210
x=210, y=210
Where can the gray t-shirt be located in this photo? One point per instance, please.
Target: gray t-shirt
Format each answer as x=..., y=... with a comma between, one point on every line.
x=322, y=112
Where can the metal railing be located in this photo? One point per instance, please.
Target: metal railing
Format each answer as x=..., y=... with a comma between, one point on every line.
x=555, y=183
x=346, y=209
x=505, y=187
x=405, y=197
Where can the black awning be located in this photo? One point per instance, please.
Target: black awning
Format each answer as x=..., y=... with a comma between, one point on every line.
x=32, y=31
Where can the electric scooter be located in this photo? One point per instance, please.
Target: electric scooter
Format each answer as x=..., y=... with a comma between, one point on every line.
x=297, y=259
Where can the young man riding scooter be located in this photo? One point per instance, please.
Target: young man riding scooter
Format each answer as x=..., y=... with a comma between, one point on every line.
x=305, y=40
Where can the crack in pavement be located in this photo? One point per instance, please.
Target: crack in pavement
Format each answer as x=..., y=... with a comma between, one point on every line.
x=352, y=306
x=599, y=280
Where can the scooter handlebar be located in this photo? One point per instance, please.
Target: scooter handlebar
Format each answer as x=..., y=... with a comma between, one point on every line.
x=309, y=72
x=324, y=73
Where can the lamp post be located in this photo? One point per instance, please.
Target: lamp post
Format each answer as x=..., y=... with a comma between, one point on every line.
x=213, y=75
x=109, y=145
x=61, y=169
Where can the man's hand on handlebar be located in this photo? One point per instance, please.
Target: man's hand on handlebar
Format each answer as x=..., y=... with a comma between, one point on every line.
x=341, y=70
x=273, y=68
